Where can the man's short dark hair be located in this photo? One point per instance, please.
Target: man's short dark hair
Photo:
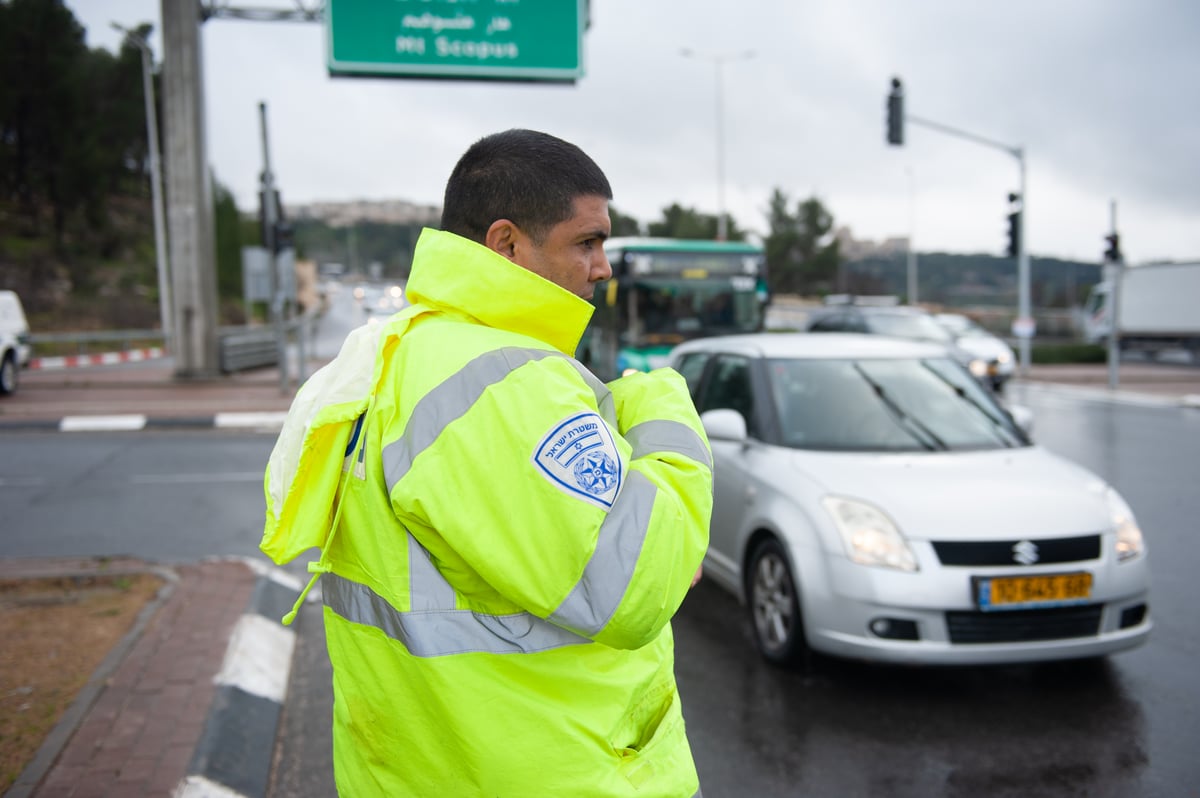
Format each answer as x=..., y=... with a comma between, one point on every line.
x=530, y=178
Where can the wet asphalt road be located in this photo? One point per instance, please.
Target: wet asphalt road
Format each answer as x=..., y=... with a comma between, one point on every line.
x=1123, y=726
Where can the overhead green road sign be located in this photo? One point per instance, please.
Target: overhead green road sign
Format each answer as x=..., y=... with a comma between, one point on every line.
x=538, y=40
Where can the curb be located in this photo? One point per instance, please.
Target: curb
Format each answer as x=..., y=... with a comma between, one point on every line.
x=105, y=359
x=133, y=422
x=234, y=755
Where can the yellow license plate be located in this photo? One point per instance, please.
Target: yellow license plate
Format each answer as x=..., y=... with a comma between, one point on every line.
x=1023, y=592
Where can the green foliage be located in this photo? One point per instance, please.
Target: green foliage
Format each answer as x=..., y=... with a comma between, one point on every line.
x=975, y=279
x=680, y=222
x=228, y=224
x=360, y=245
x=802, y=254
x=623, y=225
x=1068, y=353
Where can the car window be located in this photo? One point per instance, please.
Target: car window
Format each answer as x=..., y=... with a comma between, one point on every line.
x=885, y=405
x=691, y=366
x=834, y=322
x=729, y=387
x=916, y=326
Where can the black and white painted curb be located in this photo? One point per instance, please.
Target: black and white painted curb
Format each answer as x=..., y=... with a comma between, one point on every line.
x=132, y=422
x=233, y=757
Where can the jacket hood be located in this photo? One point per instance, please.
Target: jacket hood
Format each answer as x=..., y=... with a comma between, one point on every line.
x=451, y=273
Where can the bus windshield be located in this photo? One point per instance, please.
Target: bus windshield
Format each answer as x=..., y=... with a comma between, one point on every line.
x=667, y=291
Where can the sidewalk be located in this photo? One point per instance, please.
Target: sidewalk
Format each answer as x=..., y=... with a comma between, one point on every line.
x=187, y=704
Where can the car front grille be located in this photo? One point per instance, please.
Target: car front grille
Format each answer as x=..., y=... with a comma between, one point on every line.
x=1004, y=552
x=1015, y=626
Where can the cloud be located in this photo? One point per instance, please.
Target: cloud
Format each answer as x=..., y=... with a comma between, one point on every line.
x=1098, y=94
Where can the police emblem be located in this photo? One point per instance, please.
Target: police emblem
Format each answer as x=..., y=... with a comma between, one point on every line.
x=578, y=455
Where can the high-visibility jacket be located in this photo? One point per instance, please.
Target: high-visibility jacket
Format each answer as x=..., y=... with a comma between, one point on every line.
x=511, y=540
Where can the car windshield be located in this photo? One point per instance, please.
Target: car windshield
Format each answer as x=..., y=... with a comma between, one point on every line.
x=961, y=325
x=905, y=325
x=890, y=405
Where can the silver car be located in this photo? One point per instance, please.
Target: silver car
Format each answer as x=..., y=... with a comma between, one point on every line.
x=874, y=501
x=989, y=348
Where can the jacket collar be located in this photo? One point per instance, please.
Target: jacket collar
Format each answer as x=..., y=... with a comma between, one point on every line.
x=450, y=272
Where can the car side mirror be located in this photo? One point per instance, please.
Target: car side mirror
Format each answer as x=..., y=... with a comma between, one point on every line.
x=1024, y=418
x=724, y=425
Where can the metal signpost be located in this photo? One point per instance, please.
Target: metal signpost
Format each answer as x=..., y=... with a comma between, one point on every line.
x=1024, y=325
x=486, y=39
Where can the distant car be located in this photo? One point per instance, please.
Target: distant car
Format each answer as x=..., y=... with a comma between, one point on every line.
x=873, y=501
x=898, y=321
x=384, y=299
x=15, y=350
x=982, y=344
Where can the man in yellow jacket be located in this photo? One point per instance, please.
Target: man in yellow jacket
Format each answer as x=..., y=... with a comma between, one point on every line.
x=509, y=536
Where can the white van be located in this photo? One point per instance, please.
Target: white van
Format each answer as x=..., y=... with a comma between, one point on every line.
x=15, y=350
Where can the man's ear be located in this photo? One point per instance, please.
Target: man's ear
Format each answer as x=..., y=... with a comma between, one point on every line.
x=502, y=237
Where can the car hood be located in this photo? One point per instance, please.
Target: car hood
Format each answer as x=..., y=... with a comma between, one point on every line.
x=983, y=346
x=1026, y=492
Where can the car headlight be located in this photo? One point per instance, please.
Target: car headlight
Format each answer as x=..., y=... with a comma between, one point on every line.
x=1130, y=543
x=977, y=367
x=869, y=535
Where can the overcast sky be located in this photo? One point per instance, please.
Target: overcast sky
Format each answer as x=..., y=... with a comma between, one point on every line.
x=1103, y=96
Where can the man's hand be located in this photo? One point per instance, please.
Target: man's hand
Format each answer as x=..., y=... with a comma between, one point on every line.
x=696, y=578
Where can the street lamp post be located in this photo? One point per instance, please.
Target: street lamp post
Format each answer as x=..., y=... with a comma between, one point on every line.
x=719, y=60
x=156, y=197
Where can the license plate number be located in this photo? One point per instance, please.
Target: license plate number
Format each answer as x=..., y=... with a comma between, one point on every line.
x=1024, y=592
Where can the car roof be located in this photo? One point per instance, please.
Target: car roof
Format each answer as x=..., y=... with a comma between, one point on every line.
x=813, y=345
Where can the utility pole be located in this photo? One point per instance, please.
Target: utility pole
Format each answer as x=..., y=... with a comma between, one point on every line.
x=1114, y=265
x=1024, y=326
x=719, y=60
x=270, y=211
x=156, y=198
x=189, y=195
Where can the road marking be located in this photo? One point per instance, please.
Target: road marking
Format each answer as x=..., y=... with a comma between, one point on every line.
x=188, y=479
x=102, y=423
x=264, y=420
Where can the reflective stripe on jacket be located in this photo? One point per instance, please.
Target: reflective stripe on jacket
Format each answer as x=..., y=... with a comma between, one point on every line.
x=510, y=554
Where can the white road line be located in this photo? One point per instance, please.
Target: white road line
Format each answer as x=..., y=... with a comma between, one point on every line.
x=264, y=420
x=101, y=423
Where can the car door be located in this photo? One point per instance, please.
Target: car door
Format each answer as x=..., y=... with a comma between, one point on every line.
x=728, y=385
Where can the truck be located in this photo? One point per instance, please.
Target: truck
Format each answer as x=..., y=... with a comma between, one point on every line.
x=1158, y=308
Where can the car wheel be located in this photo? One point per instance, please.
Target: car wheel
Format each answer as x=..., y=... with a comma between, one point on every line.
x=8, y=375
x=774, y=606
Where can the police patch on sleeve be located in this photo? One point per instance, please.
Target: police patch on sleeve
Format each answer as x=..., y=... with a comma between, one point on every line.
x=578, y=455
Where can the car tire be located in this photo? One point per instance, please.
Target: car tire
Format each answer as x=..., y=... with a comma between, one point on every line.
x=774, y=606
x=8, y=374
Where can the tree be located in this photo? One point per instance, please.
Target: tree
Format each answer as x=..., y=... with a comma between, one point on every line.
x=802, y=254
x=228, y=227
x=680, y=222
x=623, y=225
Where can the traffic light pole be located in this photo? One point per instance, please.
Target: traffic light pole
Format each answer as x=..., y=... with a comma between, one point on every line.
x=1023, y=326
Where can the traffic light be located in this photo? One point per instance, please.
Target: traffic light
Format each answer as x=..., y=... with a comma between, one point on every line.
x=1014, y=226
x=284, y=238
x=895, y=113
x=1113, y=253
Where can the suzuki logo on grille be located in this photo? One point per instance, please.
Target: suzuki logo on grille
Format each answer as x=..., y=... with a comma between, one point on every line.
x=1025, y=552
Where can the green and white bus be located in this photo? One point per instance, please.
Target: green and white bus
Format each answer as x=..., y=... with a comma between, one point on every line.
x=665, y=291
